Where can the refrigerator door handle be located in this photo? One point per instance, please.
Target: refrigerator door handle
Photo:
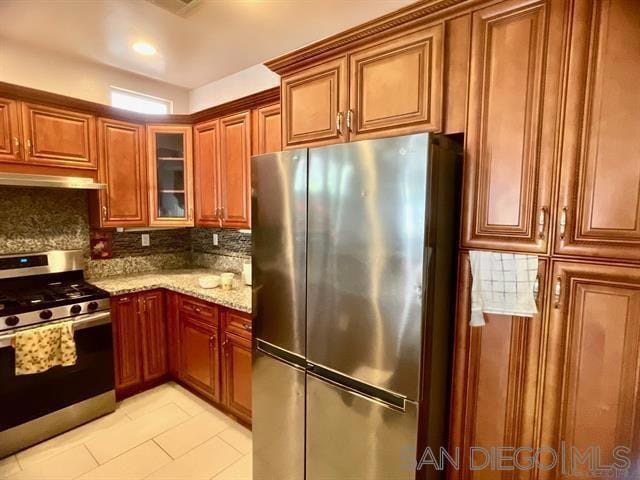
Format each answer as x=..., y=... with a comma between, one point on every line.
x=281, y=354
x=383, y=397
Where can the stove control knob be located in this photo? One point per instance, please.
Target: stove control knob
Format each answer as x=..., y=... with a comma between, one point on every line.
x=12, y=321
x=92, y=305
x=46, y=314
x=76, y=309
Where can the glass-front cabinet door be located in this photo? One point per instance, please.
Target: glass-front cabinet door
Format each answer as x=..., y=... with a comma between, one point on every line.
x=170, y=175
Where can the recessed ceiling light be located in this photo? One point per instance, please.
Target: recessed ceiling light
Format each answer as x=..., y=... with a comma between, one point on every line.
x=144, y=48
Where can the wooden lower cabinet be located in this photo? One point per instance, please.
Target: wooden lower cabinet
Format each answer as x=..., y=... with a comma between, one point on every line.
x=139, y=339
x=495, y=379
x=236, y=361
x=199, y=355
x=592, y=371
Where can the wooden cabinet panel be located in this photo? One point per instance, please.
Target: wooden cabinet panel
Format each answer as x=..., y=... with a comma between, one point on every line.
x=170, y=164
x=456, y=73
x=59, y=137
x=599, y=201
x=511, y=126
x=235, y=176
x=396, y=86
x=154, y=335
x=207, y=173
x=495, y=378
x=314, y=103
x=173, y=333
x=126, y=342
x=267, y=130
x=237, y=375
x=199, y=362
x=123, y=168
x=10, y=136
x=593, y=363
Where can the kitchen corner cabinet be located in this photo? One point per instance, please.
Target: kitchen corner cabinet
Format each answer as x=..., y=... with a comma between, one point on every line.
x=206, y=147
x=10, y=134
x=592, y=362
x=139, y=340
x=266, y=130
x=234, y=172
x=237, y=358
x=222, y=165
x=170, y=175
x=123, y=168
x=392, y=87
x=598, y=211
x=199, y=345
x=495, y=376
x=514, y=85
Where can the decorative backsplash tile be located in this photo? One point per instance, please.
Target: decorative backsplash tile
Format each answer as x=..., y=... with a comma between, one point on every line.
x=231, y=243
x=41, y=219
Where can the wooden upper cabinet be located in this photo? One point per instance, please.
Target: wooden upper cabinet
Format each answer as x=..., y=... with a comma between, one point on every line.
x=267, y=130
x=126, y=342
x=512, y=123
x=170, y=164
x=599, y=201
x=314, y=104
x=10, y=135
x=123, y=168
x=235, y=175
x=495, y=378
x=206, y=143
x=593, y=363
x=154, y=338
x=57, y=137
x=199, y=359
x=396, y=86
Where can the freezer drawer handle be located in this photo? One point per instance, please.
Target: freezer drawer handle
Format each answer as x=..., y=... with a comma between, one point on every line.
x=392, y=400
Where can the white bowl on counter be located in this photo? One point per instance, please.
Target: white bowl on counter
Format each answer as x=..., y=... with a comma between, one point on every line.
x=209, y=281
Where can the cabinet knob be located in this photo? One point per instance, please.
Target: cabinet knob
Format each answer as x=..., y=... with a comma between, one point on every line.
x=198, y=310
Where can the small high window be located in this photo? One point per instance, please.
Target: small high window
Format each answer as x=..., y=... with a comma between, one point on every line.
x=139, y=102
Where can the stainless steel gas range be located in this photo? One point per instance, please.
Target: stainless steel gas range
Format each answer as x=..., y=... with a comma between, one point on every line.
x=36, y=289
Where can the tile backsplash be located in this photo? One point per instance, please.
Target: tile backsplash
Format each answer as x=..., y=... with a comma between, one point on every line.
x=40, y=219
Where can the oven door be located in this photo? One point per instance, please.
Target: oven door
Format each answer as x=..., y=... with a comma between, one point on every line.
x=24, y=398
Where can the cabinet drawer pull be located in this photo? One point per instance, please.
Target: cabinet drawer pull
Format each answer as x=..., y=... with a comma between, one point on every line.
x=104, y=212
x=542, y=221
x=16, y=143
x=339, y=122
x=198, y=309
x=557, y=291
x=29, y=146
x=246, y=327
x=536, y=286
x=349, y=120
x=563, y=222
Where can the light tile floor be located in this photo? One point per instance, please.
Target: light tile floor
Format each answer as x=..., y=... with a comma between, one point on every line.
x=165, y=433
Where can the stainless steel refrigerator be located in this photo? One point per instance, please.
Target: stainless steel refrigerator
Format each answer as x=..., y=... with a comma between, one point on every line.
x=354, y=268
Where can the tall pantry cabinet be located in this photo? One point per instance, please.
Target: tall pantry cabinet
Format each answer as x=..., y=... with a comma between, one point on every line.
x=552, y=168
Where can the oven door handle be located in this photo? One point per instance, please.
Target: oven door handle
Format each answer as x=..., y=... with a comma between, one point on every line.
x=80, y=323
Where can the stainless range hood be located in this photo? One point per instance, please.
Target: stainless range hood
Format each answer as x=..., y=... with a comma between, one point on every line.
x=52, y=181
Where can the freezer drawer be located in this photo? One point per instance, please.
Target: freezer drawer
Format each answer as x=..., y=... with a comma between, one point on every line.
x=366, y=239
x=278, y=419
x=352, y=437
x=279, y=213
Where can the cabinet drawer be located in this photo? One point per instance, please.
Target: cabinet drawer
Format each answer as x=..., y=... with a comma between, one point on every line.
x=205, y=312
x=239, y=324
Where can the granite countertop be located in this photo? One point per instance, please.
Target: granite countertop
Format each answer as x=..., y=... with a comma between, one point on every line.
x=181, y=281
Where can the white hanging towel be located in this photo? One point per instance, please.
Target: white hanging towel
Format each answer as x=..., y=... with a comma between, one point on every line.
x=503, y=283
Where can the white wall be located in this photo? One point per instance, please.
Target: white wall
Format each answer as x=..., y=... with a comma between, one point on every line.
x=52, y=72
x=245, y=82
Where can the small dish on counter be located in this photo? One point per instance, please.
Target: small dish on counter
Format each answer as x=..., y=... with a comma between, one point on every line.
x=209, y=281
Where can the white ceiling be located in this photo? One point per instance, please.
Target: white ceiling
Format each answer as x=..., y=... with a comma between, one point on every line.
x=215, y=39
